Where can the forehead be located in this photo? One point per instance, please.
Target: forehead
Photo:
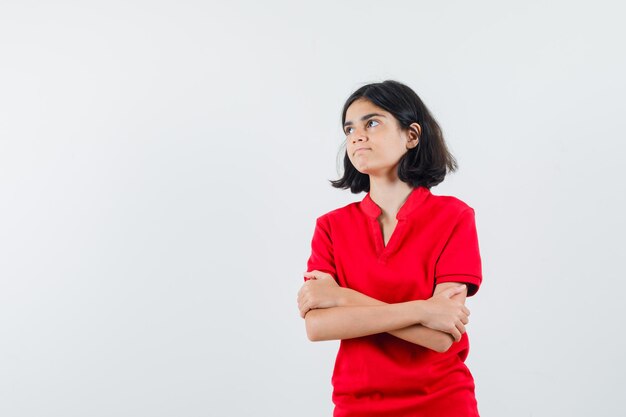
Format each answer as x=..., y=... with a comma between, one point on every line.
x=362, y=107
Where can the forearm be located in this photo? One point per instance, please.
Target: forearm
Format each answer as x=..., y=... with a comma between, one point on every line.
x=425, y=336
x=416, y=333
x=347, y=322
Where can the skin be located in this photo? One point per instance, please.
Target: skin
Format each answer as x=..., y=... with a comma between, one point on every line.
x=435, y=323
x=375, y=144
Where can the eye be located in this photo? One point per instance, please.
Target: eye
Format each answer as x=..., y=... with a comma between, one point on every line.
x=369, y=123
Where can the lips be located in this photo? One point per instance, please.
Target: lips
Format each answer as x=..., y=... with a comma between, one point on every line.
x=360, y=149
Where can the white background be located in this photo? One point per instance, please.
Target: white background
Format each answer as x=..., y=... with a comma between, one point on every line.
x=162, y=164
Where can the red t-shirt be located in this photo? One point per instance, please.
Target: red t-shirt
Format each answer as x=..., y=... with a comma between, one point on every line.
x=434, y=241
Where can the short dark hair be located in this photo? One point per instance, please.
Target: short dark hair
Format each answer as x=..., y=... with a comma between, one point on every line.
x=424, y=165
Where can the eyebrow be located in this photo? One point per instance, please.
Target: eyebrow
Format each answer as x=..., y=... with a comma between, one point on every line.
x=367, y=116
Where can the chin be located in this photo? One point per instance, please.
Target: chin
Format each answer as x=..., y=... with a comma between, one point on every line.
x=363, y=170
x=364, y=167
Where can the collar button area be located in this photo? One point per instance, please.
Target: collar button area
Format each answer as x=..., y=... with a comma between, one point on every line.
x=413, y=201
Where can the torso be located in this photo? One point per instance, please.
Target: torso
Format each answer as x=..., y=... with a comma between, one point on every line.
x=381, y=375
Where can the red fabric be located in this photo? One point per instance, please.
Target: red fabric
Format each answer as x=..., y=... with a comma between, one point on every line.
x=434, y=241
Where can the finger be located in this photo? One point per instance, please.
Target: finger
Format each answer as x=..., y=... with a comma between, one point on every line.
x=453, y=291
x=460, y=327
x=449, y=292
x=304, y=308
x=464, y=320
x=459, y=289
x=302, y=290
x=303, y=300
x=455, y=334
x=466, y=310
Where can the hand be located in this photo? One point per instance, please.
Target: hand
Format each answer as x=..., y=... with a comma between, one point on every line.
x=442, y=313
x=319, y=291
x=317, y=275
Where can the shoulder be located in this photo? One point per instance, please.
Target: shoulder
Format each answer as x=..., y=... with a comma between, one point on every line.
x=450, y=205
x=347, y=211
x=446, y=211
x=342, y=218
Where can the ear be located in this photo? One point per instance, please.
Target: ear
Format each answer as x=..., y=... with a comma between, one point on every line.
x=414, y=132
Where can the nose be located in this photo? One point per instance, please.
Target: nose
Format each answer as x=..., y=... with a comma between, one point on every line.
x=358, y=136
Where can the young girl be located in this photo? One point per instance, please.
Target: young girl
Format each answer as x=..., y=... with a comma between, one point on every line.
x=389, y=275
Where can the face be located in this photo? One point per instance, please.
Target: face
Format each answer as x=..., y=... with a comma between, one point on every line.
x=375, y=141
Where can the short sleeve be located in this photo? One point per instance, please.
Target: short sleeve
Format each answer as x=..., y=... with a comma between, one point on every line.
x=322, y=254
x=459, y=260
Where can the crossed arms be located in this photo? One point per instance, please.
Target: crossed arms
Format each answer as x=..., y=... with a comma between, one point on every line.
x=332, y=312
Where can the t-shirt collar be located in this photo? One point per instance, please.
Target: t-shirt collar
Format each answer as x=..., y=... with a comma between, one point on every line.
x=417, y=195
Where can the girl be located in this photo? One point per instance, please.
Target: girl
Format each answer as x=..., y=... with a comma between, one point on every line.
x=389, y=275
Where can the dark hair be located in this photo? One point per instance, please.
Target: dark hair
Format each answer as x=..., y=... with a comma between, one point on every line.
x=424, y=165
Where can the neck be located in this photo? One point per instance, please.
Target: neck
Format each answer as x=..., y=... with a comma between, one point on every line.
x=389, y=195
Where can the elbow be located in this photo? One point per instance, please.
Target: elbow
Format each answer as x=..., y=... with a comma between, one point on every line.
x=311, y=332
x=443, y=344
x=313, y=337
x=312, y=327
